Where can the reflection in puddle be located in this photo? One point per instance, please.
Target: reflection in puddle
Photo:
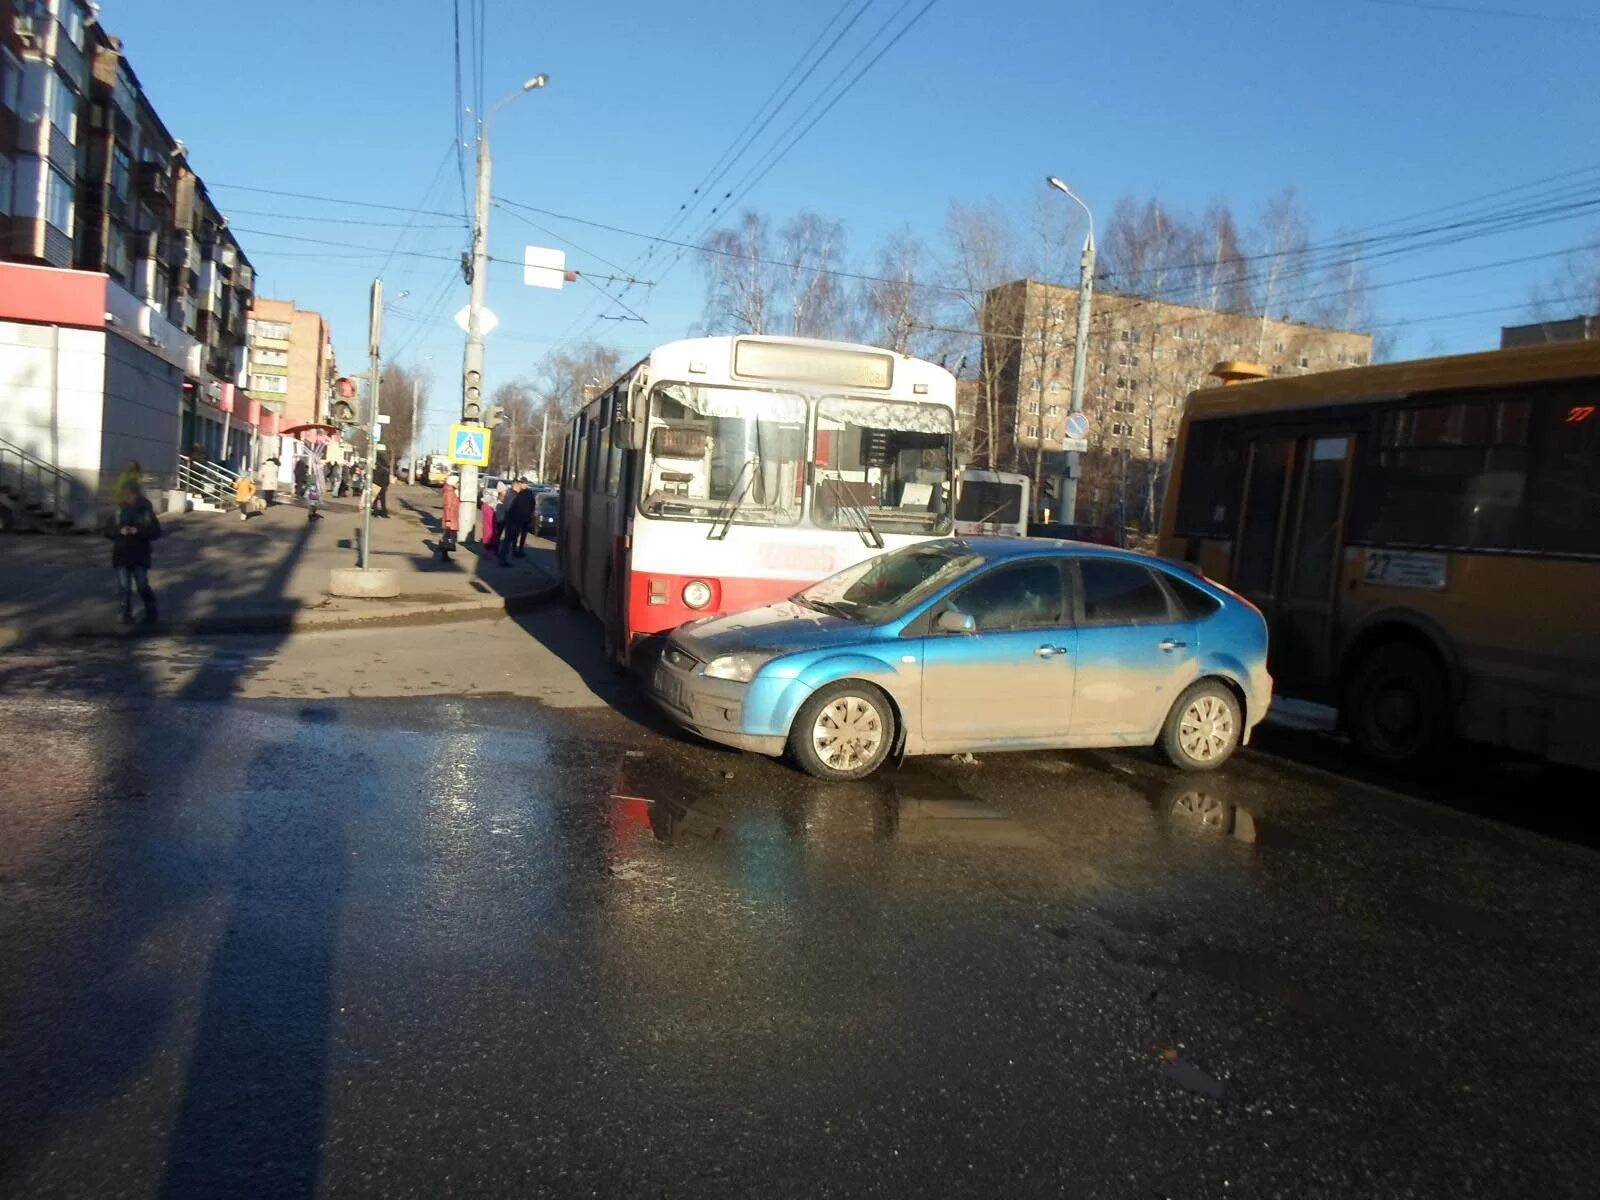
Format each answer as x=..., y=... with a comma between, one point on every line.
x=1202, y=810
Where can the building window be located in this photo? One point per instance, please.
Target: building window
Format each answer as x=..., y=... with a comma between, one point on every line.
x=270, y=358
x=1125, y=335
x=268, y=383
x=1055, y=385
x=1123, y=406
x=1033, y=408
x=1121, y=429
x=1122, y=383
x=58, y=201
x=1058, y=362
x=1053, y=410
x=275, y=330
x=1305, y=361
x=1178, y=333
x=1342, y=358
x=64, y=106
x=1278, y=346
x=1360, y=360
x=1033, y=384
x=72, y=18
x=1154, y=353
x=10, y=80
x=119, y=173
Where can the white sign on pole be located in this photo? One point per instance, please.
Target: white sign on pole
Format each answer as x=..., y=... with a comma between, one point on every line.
x=543, y=267
x=487, y=321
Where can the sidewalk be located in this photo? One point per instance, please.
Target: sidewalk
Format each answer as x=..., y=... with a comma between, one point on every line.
x=214, y=573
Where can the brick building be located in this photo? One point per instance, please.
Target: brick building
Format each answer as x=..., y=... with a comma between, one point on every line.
x=291, y=360
x=1144, y=358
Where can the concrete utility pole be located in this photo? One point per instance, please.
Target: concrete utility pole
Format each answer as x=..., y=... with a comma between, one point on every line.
x=472, y=364
x=1080, y=364
x=374, y=430
x=411, y=449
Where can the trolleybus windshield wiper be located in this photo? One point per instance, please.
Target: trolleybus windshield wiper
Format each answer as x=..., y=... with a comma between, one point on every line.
x=730, y=506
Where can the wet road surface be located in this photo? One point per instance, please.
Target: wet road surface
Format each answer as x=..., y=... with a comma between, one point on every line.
x=435, y=946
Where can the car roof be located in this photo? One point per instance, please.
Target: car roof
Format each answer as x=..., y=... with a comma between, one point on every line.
x=996, y=548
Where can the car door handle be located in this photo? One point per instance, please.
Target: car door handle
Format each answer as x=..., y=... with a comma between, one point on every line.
x=1050, y=651
x=1169, y=645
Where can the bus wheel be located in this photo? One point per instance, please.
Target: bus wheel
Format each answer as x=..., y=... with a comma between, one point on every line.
x=1397, y=707
x=844, y=731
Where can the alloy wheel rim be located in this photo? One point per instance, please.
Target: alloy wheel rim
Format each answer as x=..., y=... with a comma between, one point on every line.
x=847, y=733
x=1206, y=730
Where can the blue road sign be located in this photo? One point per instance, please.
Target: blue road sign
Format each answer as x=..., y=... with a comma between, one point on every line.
x=469, y=445
x=1077, y=425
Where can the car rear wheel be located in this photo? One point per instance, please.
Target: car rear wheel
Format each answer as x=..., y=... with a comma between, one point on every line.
x=1203, y=729
x=844, y=731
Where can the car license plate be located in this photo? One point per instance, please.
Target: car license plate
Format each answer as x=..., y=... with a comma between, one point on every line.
x=669, y=687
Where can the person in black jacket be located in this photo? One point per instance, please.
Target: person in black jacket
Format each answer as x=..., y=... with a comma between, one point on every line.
x=380, y=488
x=132, y=527
x=519, y=516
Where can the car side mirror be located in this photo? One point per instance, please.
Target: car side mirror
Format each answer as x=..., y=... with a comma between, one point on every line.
x=951, y=621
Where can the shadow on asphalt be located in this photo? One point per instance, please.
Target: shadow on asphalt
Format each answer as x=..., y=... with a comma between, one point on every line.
x=250, y=1107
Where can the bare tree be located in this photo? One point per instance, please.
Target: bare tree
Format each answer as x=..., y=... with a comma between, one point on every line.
x=742, y=283
x=813, y=251
x=1284, y=242
x=895, y=307
x=564, y=381
x=981, y=257
x=512, y=448
x=1573, y=288
x=394, y=398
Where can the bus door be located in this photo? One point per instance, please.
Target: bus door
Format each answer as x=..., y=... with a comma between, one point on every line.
x=1291, y=535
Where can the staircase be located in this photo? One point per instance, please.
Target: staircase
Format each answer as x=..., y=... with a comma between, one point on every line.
x=208, y=484
x=36, y=497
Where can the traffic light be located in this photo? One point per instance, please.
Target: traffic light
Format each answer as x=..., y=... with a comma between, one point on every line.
x=496, y=416
x=472, y=406
x=342, y=405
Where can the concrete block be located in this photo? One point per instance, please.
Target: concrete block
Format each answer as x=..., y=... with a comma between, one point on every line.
x=375, y=583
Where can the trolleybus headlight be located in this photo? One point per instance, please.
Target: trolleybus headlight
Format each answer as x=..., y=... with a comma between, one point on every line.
x=697, y=593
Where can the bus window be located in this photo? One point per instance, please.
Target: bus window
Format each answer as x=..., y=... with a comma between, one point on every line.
x=580, y=455
x=1263, y=515
x=1213, y=478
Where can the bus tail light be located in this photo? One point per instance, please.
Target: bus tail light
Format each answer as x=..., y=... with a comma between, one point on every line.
x=696, y=593
x=658, y=591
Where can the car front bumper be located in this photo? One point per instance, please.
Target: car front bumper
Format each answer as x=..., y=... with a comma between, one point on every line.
x=712, y=708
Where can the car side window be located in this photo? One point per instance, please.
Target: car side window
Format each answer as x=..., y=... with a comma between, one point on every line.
x=1025, y=596
x=1120, y=593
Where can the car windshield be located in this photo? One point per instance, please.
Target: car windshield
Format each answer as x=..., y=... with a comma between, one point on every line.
x=882, y=465
x=724, y=454
x=891, y=585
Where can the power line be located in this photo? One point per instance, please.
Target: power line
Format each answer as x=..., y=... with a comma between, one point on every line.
x=461, y=160
x=428, y=192
x=265, y=191
x=283, y=216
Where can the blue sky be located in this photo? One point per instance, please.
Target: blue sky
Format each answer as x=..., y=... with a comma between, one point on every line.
x=1371, y=109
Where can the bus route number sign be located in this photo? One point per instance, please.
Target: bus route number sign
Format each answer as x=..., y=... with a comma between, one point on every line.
x=1406, y=569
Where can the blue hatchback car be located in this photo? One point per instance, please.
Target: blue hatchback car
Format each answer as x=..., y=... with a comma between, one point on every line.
x=977, y=644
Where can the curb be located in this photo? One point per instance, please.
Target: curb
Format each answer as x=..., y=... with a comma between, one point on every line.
x=299, y=620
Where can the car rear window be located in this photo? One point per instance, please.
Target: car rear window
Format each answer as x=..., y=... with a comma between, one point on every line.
x=1196, y=604
x=1120, y=593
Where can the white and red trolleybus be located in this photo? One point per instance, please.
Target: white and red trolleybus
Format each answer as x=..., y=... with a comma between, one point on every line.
x=724, y=472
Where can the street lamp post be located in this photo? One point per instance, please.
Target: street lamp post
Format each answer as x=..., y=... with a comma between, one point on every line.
x=1080, y=366
x=472, y=362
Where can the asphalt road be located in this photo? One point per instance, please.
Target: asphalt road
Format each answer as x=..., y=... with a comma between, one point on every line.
x=264, y=932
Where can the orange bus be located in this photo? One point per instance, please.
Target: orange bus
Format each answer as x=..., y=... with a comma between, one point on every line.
x=1423, y=538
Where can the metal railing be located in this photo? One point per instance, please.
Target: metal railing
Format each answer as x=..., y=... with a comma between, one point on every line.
x=44, y=496
x=207, y=480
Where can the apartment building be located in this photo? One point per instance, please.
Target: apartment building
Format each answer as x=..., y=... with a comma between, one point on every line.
x=291, y=360
x=122, y=290
x=1144, y=358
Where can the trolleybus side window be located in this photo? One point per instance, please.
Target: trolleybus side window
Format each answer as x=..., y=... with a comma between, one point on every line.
x=1213, y=477
x=581, y=452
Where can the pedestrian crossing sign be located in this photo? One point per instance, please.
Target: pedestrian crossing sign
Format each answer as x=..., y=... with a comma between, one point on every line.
x=469, y=445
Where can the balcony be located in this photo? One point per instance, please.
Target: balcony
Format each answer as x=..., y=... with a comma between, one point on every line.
x=185, y=252
x=155, y=183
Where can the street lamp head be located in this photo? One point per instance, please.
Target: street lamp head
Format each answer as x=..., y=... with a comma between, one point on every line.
x=538, y=81
x=1057, y=184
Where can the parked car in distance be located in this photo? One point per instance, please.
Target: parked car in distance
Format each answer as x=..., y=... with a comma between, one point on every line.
x=963, y=644
x=547, y=514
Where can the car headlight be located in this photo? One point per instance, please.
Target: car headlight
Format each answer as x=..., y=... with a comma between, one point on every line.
x=741, y=668
x=697, y=593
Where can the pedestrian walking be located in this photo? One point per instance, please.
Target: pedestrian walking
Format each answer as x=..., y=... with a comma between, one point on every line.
x=244, y=495
x=519, y=515
x=132, y=527
x=267, y=481
x=450, y=521
x=380, y=488
x=302, y=474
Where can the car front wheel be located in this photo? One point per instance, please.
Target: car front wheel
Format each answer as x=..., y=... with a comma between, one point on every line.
x=844, y=731
x=1203, y=729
